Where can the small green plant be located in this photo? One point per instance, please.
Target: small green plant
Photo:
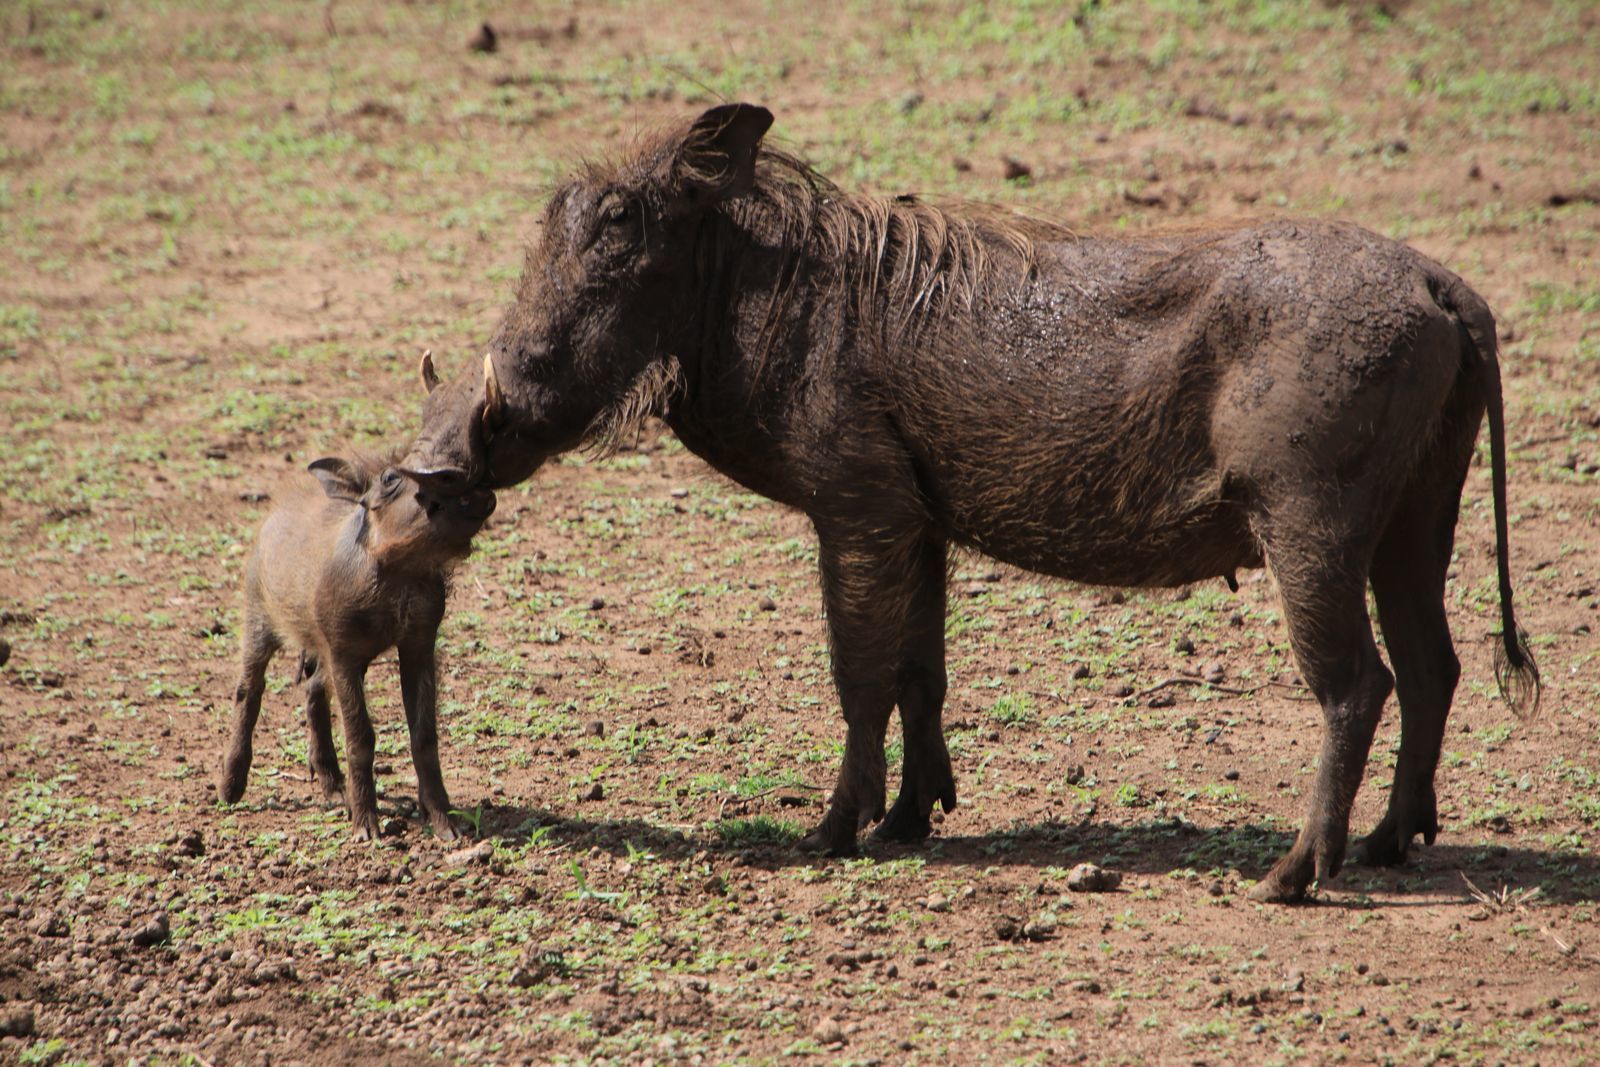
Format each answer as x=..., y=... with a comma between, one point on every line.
x=583, y=892
x=472, y=816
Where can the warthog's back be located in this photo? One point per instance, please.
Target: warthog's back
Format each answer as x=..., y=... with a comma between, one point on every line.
x=1108, y=420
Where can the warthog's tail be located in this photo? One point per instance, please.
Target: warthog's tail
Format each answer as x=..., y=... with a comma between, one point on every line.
x=1515, y=671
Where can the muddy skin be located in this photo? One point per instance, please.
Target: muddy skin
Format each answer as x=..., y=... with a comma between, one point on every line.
x=1147, y=411
x=342, y=578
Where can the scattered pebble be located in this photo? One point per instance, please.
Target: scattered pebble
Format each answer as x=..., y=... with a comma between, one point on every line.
x=483, y=40
x=766, y=603
x=1089, y=878
x=153, y=931
x=596, y=792
x=1014, y=169
x=595, y=729
x=17, y=1024
x=478, y=853
x=828, y=1031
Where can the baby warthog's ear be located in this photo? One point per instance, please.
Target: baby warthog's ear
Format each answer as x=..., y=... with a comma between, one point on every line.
x=339, y=478
x=718, y=157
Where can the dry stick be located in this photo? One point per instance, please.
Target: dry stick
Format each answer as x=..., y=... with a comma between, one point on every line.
x=730, y=797
x=1232, y=690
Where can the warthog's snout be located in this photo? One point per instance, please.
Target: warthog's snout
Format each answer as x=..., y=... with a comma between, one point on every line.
x=441, y=483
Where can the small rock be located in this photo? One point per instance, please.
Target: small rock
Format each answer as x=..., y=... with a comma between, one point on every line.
x=678, y=494
x=828, y=1031
x=595, y=729
x=51, y=926
x=5, y=651
x=1185, y=646
x=1006, y=929
x=1232, y=776
x=215, y=452
x=936, y=902
x=1089, y=878
x=153, y=931
x=1080, y=672
x=1015, y=170
x=1213, y=674
x=484, y=39
x=255, y=496
x=1039, y=930
x=481, y=852
x=596, y=792
x=909, y=102
x=17, y=1024
x=596, y=603
x=1164, y=699
x=766, y=603
x=192, y=843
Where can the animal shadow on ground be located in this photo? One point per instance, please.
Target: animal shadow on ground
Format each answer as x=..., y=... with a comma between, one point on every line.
x=1155, y=847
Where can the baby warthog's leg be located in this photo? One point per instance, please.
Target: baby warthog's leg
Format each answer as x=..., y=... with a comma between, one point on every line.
x=360, y=792
x=419, y=688
x=319, y=731
x=256, y=650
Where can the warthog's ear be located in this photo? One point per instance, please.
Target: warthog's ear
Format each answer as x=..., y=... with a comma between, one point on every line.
x=494, y=398
x=430, y=377
x=718, y=157
x=339, y=478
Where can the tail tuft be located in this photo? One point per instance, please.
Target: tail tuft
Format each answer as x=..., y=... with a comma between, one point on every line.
x=1517, y=675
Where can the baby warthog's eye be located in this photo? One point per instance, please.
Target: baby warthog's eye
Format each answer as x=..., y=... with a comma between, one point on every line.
x=389, y=481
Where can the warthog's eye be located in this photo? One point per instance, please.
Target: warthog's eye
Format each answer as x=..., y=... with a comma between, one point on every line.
x=617, y=215
x=389, y=481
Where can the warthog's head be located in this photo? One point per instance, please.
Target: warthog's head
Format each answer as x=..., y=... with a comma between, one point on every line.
x=404, y=524
x=603, y=299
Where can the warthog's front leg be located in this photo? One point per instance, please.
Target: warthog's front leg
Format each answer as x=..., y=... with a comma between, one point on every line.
x=419, y=691
x=867, y=589
x=925, y=777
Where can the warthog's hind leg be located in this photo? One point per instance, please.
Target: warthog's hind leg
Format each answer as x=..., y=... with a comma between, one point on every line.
x=1408, y=580
x=257, y=648
x=319, y=731
x=1324, y=599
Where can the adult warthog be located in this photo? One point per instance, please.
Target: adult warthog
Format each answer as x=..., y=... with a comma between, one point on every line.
x=1135, y=411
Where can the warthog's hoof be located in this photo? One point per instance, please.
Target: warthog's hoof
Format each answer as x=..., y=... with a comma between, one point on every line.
x=444, y=827
x=231, y=779
x=904, y=824
x=332, y=790
x=1390, y=841
x=366, y=828
x=825, y=841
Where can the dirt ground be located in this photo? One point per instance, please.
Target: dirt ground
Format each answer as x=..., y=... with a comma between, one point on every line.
x=228, y=234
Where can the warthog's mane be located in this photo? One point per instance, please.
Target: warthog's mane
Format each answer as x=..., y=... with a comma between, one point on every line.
x=904, y=263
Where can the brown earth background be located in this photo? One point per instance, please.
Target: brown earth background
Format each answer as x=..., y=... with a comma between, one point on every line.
x=228, y=231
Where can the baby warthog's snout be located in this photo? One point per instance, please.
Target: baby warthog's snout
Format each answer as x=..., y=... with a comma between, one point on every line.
x=477, y=504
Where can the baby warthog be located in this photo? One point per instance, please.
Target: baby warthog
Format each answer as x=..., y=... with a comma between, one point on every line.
x=342, y=580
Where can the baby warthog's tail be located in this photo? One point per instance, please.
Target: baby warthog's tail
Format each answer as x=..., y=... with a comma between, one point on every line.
x=1515, y=671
